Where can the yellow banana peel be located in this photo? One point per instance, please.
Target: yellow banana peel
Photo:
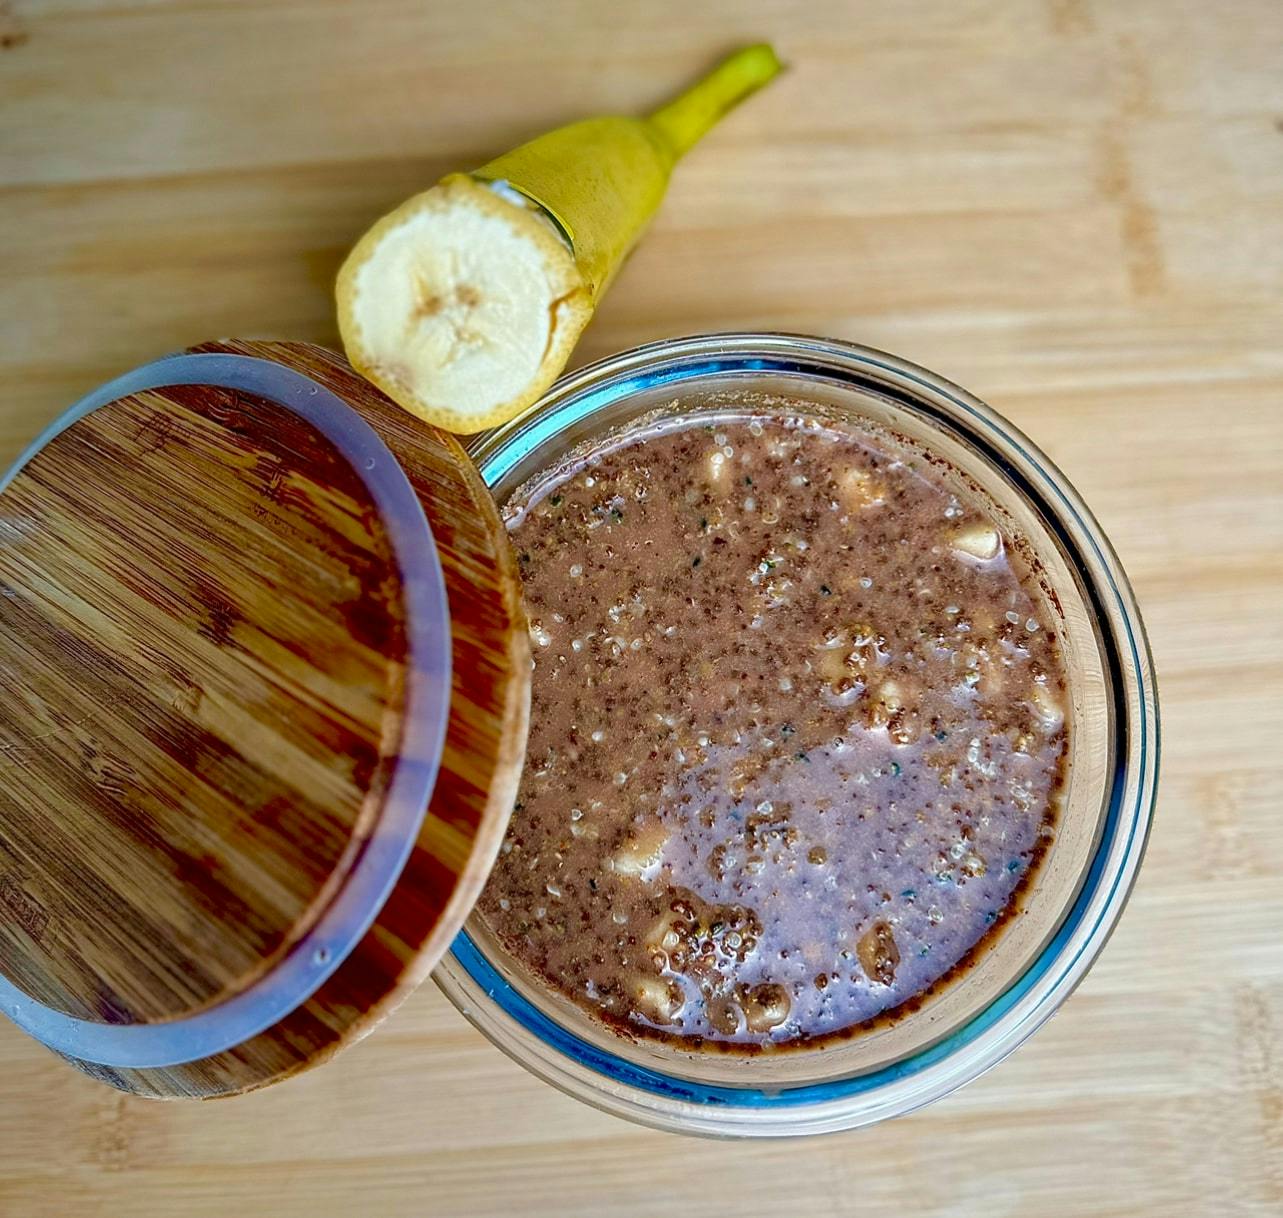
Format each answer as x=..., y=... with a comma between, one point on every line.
x=465, y=303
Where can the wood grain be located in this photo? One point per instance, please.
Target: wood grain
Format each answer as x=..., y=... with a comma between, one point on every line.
x=1072, y=207
x=204, y=650
x=480, y=764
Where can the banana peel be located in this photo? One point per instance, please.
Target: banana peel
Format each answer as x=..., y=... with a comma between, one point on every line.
x=465, y=303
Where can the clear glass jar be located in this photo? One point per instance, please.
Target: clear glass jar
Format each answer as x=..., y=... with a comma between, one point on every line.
x=1032, y=966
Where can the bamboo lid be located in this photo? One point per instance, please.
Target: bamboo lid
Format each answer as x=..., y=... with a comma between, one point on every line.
x=265, y=692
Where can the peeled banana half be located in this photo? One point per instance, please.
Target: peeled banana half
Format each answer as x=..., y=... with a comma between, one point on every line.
x=462, y=305
x=465, y=303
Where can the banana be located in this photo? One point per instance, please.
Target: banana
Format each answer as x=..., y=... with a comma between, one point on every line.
x=465, y=303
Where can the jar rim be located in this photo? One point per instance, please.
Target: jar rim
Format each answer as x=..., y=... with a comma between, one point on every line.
x=649, y=1095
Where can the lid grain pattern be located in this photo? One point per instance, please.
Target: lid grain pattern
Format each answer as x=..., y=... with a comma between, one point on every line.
x=202, y=653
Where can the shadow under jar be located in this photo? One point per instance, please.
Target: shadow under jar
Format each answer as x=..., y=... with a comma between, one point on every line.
x=698, y=1033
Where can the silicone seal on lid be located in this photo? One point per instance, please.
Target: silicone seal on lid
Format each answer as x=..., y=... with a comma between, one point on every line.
x=330, y=940
x=267, y=683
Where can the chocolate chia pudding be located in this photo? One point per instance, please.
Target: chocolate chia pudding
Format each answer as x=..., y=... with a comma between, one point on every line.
x=797, y=735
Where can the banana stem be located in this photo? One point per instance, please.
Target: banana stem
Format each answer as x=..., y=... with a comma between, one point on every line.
x=685, y=120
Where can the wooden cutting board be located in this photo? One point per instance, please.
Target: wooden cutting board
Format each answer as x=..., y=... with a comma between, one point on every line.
x=1071, y=207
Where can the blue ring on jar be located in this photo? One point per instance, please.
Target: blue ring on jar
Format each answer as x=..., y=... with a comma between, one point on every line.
x=1125, y=829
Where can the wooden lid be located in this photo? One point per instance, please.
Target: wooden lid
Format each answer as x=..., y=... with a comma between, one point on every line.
x=227, y=653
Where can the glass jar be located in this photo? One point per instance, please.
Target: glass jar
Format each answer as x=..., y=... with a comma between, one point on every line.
x=1078, y=893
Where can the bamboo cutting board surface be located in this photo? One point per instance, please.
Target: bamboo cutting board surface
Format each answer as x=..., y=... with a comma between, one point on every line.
x=1072, y=207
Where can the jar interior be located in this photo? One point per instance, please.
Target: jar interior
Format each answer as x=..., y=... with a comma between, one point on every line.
x=510, y=458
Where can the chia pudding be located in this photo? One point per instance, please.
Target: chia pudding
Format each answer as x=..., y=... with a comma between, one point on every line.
x=797, y=732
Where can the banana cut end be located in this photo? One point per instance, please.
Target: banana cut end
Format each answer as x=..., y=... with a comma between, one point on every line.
x=461, y=305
